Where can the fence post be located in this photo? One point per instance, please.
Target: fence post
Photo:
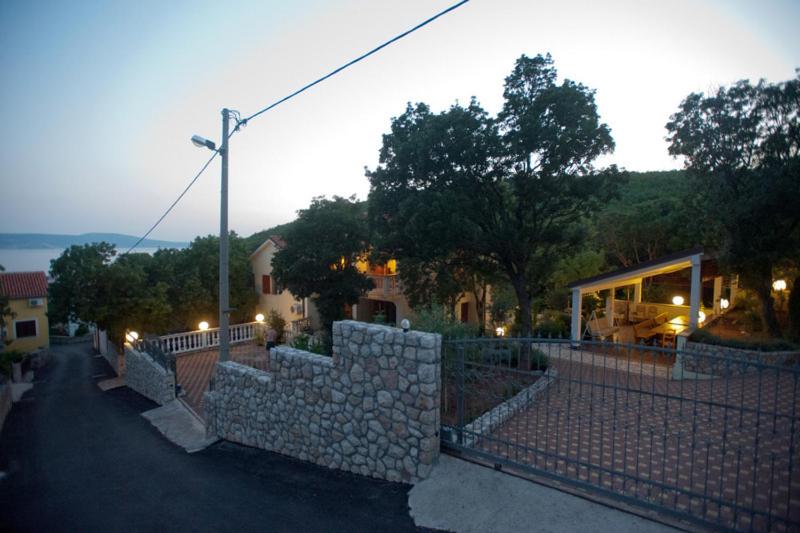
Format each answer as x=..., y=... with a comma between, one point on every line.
x=460, y=392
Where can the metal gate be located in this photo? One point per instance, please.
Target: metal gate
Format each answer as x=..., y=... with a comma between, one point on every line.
x=707, y=437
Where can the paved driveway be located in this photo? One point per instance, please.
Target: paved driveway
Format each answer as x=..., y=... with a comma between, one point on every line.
x=78, y=459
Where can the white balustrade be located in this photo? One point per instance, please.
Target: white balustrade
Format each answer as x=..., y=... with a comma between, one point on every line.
x=192, y=341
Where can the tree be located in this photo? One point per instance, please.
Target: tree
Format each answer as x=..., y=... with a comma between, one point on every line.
x=511, y=190
x=742, y=147
x=653, y=216
x=323, y=247
x=78, y=275
x=5, y=311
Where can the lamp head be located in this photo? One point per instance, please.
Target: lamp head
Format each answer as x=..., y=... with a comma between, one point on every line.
x=203, y=143
x=405, y=324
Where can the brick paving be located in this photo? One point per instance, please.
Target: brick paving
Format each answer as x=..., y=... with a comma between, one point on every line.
x=723, y=450
x=195, y=369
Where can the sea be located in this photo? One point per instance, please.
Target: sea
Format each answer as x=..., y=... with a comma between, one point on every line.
x=14, y=260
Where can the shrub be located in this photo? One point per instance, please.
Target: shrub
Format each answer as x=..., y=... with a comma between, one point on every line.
x=705, y=337
x=276, y=321
x=432, y=319
x=309, y=343
x=6, y=358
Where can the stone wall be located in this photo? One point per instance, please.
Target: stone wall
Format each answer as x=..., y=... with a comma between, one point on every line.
x=372, y=408
x=147, y=377
x=717, y=360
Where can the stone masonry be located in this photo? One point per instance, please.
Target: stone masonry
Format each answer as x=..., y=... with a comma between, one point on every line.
x=147, y=377
x=372, y=408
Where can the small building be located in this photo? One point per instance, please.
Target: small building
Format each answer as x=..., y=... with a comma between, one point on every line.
x=27, y=328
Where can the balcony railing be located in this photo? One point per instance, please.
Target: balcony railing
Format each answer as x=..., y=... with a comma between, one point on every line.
x=191, y=341
x=385, y=286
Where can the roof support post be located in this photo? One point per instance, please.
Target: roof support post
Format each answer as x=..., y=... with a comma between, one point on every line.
x=577, y=302
x=695, y=293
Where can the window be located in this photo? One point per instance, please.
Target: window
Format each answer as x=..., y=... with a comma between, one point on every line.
x=25, y=328
x=465, y=312
x=265, y=284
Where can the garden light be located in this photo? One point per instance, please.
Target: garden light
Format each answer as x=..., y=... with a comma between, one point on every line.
x=131, y=336
x=500, y=331
x=701, y=316
x=779, y=285
x=202, y=326
x=677, y=300
x=405, y=324
x=724, y=303
x=259, y=317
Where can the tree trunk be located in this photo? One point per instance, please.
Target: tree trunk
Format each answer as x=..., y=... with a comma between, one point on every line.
x=524, y=320
x=525, y=317
x=768, y=318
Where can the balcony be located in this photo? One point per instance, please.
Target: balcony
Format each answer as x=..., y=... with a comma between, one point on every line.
x=385, y=286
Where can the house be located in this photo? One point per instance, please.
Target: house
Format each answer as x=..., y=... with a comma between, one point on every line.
x=386, y=302
x=299, y=313
x=28, y=328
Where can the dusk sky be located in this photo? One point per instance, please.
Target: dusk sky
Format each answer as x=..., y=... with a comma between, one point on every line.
x=99, y=99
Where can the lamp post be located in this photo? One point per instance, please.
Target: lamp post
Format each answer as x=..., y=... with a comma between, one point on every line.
x=224, y=311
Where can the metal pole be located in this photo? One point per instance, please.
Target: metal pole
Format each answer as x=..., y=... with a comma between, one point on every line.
x=224, y=349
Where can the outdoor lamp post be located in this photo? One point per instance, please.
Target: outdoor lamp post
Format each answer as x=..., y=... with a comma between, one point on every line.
x=224, y=311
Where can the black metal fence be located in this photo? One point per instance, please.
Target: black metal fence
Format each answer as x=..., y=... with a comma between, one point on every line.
x=631, y=422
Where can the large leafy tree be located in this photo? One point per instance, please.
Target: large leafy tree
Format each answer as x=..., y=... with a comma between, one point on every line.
x=323, y=247
x=653, y=216
x=512, y=189
x=742, y=147
x=78, y=275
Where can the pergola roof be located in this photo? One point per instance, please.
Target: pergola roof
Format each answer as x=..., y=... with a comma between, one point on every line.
x=633, y=274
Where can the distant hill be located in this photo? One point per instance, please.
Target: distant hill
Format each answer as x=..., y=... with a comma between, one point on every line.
x=40, y=241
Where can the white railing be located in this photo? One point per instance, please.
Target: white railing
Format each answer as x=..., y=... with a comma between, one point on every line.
x=191, y=341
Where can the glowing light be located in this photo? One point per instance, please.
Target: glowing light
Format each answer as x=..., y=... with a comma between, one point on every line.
x=677, y=300
x=202, y=326
x=131, y=336
x=259, y=317
x=724, y=303
x=501, y=331
x=405, y=324
x=701, y=317
x=779, y=285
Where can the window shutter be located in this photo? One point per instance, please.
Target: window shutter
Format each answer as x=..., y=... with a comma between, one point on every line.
x=265, y=284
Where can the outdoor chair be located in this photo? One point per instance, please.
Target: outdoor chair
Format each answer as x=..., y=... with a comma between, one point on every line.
x=639, y=313
x=668, y=339
x=660, y=319
x=641, y=331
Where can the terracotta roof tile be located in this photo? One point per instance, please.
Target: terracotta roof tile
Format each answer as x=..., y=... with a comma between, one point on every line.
x=23, y=284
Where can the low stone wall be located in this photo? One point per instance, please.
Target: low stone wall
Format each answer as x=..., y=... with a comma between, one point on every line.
x=5, y=400
x=373, y=408
x=717, y=360
x=147, y=377
x=63, y=339
x=490, y=420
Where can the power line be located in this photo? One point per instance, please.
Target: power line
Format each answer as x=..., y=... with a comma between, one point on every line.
x=356, y=60
x=243, y=122
x=203, y=169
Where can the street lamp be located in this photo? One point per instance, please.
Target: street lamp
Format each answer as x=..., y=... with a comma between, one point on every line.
x=224, y=311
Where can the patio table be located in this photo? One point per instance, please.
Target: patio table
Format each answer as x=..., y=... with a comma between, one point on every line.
x=677, y=324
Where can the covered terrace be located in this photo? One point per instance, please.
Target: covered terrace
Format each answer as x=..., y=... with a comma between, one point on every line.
x=681, y=313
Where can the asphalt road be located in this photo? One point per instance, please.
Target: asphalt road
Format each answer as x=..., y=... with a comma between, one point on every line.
x=79, y=459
